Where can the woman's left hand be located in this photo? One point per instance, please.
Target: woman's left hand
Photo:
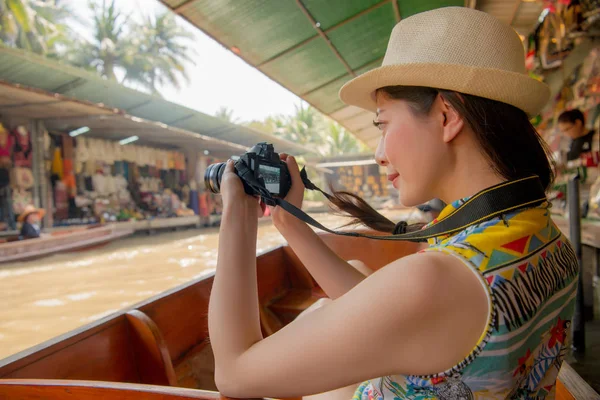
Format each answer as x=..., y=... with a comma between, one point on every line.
x=233, y=194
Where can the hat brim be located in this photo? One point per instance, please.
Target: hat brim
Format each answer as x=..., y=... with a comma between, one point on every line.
x=519, y=90
x=24, y=215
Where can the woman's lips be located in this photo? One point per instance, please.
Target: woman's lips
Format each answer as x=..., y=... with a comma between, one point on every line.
x=392, y=177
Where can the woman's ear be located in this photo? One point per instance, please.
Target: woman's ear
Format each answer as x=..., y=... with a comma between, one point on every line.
x=453, y=122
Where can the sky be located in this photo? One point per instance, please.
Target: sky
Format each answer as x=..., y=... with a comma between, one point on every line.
x=218, y=78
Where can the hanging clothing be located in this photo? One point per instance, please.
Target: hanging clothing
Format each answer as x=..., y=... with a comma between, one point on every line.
x=6, y=143
x=23, y=151
x=529, y=271
x=57, y=163
x=61, y=201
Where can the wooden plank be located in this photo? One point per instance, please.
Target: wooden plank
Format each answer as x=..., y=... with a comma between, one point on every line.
x=374, y=253
x=182, y=317
x=100, y=352
x=197, y=370
x=295, y=300
x=299, y=276
x=269, y=321
x=30, y=389
x=273, y=279
x=574, y=384
x=151, y=354
x=562, y=393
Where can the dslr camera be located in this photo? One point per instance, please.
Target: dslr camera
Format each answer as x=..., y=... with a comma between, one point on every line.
x=261, y=164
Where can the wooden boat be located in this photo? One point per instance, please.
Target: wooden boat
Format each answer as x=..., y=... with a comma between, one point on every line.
x=158, y=349
x=80, y=238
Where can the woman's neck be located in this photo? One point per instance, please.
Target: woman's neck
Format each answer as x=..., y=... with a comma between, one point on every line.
x=468, y=176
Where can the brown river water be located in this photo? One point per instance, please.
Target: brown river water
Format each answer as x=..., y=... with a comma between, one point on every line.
x=44, y=298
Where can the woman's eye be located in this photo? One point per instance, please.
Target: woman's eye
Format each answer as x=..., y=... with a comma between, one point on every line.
x=379, y=125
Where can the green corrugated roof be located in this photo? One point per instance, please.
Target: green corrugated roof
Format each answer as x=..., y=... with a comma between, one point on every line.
x=21, y=67
x=278, y=38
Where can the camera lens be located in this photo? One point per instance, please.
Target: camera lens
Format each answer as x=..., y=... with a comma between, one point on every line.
x=212, y=177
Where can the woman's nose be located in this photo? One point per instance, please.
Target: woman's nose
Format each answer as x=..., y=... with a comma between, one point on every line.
x=380, y=154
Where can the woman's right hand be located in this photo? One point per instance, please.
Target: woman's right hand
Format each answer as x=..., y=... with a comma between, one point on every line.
x=281, y=218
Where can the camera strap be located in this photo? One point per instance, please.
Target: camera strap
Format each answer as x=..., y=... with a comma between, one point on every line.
x=489, y=203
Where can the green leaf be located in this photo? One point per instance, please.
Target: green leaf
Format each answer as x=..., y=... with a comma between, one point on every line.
x=22, y=16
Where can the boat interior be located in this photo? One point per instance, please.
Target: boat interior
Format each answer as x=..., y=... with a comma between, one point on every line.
x=159, y=349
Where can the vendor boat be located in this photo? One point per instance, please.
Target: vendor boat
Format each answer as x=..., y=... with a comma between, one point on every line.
x=80, y=238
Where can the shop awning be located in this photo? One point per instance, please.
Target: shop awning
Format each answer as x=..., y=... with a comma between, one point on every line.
x=77, y=86
x=312, y=47
x=64, y=114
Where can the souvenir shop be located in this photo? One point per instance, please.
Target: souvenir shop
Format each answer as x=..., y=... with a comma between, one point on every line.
x=95, y=180
x=89, y=180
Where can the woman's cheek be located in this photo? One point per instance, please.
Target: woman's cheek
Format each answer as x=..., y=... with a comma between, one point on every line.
x=397, y=150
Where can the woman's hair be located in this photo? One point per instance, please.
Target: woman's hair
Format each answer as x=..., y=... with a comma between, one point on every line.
x=505, y=135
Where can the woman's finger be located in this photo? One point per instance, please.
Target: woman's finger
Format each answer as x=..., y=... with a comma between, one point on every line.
x=229, y=167
x=297, y=184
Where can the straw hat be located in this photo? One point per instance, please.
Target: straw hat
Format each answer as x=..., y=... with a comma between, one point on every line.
x=30, y=210
x=453, y=48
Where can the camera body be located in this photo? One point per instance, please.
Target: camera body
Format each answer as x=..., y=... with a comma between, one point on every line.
x=265, y=166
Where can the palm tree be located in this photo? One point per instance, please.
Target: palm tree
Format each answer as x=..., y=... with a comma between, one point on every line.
x=226, y=114
x=304, y=127
x=111, y=48
x=309, y=127
x=32, y=25
x=340, y=141
x=161, y=55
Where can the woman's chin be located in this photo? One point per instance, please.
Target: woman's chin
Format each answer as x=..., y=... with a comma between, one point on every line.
x=408, y=199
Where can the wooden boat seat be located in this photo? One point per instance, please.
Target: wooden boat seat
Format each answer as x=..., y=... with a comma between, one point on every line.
x=571, y=386
x=152, y=356
x=50, y=389
x=55, y=389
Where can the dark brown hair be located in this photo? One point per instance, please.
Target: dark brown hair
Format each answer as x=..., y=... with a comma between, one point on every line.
x=505, y=135
x=572, y=116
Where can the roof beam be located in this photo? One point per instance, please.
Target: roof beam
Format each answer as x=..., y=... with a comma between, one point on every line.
x=396, y=10
x=75, y=83
x=180, y=9
x=326, y=31
x=515, y=11
x=20, y=105
x=324, y=36
x=339, y=77
x=142, y=104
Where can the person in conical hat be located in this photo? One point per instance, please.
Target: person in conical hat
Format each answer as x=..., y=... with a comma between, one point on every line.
x=30, y=219
x=484, y=311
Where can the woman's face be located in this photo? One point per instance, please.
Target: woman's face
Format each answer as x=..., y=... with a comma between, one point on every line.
x=411, y=148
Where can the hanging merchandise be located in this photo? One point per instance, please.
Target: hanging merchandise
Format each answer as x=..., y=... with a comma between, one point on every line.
x=21, y=198
x=22, y=178
x=6, y=199
x=23, y=152
x=57, y=163
x=6, y=143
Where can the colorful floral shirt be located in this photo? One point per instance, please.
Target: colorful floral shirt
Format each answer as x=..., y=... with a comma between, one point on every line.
x=529, y=270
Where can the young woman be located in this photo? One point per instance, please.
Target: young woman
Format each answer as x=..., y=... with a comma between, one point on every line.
x=483, y=312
